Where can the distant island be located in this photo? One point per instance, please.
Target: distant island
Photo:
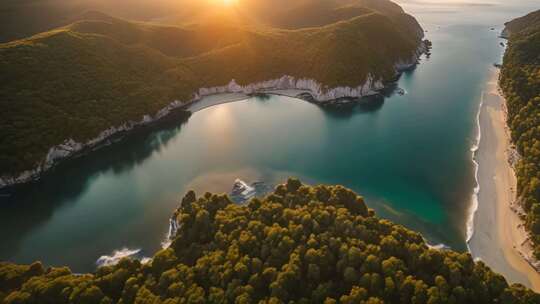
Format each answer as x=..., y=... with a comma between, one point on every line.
x=520, y=82
x=299, y=244
x=69, y=89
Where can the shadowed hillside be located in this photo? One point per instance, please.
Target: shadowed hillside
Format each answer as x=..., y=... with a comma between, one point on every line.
x=24, y=18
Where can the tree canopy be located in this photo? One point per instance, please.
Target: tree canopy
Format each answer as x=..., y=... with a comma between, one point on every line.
x=299, y=244
x=76, y=81
x=520, y=81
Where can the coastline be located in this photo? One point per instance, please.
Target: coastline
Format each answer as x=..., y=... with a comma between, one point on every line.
x=215, y=95
x=497, y=236
x=285, y=85
x=474, y=198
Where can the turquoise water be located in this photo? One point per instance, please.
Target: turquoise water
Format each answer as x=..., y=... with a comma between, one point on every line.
x=409, y=155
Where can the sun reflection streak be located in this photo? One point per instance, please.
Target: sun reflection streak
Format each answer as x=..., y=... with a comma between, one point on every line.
x=219, y=125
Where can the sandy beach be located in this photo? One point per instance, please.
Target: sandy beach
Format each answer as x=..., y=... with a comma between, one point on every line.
x=222, y=98
x=499, y=238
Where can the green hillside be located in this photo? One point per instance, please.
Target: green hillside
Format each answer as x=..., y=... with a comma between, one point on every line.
x=300, y=244
x=525, y=23
x=66, y=84
x=520, y=81
x=78, y=80
x=335, y=55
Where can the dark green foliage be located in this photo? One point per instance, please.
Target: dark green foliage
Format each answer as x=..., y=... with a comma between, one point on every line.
x=528, y=22
x=300, y=244
x=76, y=81
x=520, y=81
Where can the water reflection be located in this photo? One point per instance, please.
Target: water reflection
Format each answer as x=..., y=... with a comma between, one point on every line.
x=368, y=104
x=26, y=207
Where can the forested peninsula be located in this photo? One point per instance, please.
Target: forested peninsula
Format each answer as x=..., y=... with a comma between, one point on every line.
x=520, y=82
x=299, y=244
x=69, y=89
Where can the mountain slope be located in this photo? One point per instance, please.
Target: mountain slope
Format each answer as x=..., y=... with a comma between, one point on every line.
x=24, y=18
x=87, y=80
x=336, y=55
x=527, y=22
x=64, y=84
x=520, y=81
x=322, y=238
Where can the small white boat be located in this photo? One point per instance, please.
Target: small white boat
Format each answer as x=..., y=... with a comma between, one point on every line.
x=243, y=190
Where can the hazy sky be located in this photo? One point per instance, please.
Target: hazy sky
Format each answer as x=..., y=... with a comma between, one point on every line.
x=448, y=12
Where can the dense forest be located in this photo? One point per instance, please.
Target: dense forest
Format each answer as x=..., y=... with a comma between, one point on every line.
x=520, y=81
x=98, y=71
x=299, y=244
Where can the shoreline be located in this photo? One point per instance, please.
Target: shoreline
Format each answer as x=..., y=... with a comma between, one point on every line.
x=319, y=93
x=223, y=98
x=474, y=198
x=497, y=234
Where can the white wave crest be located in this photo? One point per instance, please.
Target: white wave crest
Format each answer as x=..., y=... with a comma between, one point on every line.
x=474, y=199
x=440, y=246
x=117, y=255
x=173, y=228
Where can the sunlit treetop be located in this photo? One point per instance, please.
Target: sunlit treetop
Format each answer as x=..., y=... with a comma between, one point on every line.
x=299, y=244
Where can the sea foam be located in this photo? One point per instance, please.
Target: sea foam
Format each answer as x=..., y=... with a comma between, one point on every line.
x=474, y=199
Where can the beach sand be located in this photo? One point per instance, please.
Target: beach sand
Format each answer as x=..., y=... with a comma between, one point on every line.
x=498, y=232
x=222, y=98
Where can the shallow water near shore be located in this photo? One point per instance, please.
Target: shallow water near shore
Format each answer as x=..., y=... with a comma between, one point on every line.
x=409, y=156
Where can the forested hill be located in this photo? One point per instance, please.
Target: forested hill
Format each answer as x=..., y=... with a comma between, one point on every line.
x=520, y=81
x=525, y=23
x=99, y=72
x=299, y=244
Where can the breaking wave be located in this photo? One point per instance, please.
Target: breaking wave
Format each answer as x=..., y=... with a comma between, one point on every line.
x=117, y=255
x=474, y=199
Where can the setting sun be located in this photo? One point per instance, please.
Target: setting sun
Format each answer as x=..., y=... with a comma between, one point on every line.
x=151, y=151
x=228, y=2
